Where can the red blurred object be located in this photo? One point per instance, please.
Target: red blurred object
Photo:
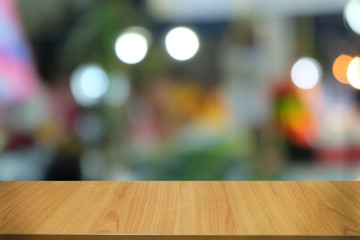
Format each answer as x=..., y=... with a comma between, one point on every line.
x=19, y=141
x=338, y=154
x=293, y=114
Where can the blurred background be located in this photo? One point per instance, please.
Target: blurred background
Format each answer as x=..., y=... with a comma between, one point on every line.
x=179, y=90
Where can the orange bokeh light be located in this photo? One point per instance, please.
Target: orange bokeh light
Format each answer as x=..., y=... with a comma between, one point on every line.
x=340, y=66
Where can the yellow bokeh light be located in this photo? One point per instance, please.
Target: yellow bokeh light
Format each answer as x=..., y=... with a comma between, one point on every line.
x=353, y=72
x=340, y=67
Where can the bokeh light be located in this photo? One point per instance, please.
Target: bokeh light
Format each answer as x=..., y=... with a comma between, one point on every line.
x=352, y=16
x=306, y=73
x=93, y=164
x=119, y=89
x=132, y=45
x=88, y=84
x=3, y=139
x=340, y=67
x=182, y=43
x=89, y=127
x=353, y=72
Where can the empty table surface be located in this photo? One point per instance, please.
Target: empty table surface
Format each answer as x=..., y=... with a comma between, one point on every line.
x=178, y=210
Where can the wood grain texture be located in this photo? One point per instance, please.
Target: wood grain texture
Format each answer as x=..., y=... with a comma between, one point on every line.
x=194, y=209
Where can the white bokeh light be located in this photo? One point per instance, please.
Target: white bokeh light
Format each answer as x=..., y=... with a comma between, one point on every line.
x=119, y=89
x=306, y=73
x=88, y=84
x=352, y=15
x=181, y=43
x=353, y=72
x=132, y=45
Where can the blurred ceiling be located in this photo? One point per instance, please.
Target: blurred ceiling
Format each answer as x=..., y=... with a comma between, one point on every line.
x=204, y=10
x=36, y=12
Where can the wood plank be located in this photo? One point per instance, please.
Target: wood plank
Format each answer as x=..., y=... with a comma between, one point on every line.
x=191, y=210
x=171, y=237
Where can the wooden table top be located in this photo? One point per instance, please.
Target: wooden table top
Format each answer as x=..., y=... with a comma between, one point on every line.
x=204, y=209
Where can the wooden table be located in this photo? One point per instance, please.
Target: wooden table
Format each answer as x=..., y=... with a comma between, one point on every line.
x=179, y=210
